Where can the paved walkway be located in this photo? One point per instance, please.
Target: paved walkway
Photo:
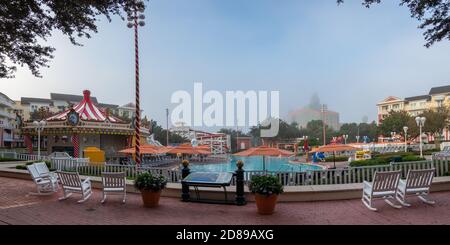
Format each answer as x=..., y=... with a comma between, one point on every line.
x=16, y=207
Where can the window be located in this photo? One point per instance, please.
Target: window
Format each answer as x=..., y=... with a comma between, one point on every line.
x=396, y=107
x=385, y=108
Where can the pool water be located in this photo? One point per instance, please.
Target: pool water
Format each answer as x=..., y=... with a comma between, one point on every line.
x=275, y=164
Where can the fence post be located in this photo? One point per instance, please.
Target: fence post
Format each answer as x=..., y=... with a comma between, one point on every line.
x=185, y=196
x=240, y=198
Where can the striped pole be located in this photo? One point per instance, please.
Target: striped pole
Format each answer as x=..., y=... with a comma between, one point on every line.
x=29, y=143
x=138, y=110
x=76, y=145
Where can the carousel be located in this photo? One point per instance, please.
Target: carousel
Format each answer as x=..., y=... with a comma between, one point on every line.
x=81, y=128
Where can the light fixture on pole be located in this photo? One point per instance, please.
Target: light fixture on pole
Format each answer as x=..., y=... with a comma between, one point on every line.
x=345, y=136
x=39, y=126
x=393, y=136
x=420, y=123
x=135, y=19
x=324, y=124
x=405, y=129
x=167, y=127
x=357, y=138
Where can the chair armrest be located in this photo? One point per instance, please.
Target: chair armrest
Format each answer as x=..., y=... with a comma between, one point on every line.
x=87, y=180
x=368, y=184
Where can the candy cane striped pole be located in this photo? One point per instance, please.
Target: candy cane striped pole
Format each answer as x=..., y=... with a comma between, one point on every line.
x=138, y=110
x=76, y=145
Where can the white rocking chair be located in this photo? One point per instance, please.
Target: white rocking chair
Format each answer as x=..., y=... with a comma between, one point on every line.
x=417, y=183
x=43, y=170
x=72, y=183
x=46, y=185
x=384, y=186
x=114, y=183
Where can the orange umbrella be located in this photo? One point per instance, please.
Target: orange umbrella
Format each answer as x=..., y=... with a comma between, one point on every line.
x=264, y=151
x=145, y=149
x=335, y=148
x=189, y=149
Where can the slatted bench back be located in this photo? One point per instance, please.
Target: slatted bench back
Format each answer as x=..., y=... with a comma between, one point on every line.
x=419, y=178
x=70, y=179
x=113, y=180
x=386, y=181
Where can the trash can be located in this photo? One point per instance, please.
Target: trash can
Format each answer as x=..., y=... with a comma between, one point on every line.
x=95, y=155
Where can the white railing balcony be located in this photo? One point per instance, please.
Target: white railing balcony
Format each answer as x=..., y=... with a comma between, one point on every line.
x=5, y=102
x=6, y=114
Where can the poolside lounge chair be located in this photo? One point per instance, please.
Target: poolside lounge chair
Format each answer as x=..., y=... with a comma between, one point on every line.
x=384, y=186
x=417, y=183
x=114, y=183
x=46, y=185
x=72, y=183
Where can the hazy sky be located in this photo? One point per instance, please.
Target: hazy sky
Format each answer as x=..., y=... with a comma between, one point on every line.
x=351, y=56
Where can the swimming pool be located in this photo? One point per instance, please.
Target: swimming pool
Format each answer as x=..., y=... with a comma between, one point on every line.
x=254, y=164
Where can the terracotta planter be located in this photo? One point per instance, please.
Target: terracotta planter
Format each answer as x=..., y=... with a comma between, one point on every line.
x=150, y=198
x=266, y=204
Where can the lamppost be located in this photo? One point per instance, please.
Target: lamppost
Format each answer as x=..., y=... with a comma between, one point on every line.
x=167, y=127
x=136, y=19
x=39, y=127
x=345, y=136
x=357, y=138
x=420, y=123
x=324, y=131
x=405, y=129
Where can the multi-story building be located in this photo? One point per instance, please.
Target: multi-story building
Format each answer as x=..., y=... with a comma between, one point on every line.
x=61, y=102
x=314, y=111
x=9, y=136
x=437, y=97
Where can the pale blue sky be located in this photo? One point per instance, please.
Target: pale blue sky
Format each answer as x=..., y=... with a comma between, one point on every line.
x=352, y=56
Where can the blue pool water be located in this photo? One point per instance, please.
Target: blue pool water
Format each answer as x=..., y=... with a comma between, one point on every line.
x=254, y=164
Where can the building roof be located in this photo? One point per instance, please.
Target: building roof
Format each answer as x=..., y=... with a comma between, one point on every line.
x=87, y=110
x=420, y=97
x=129, y=105
x=109, y=106
x=69, y=97
x=440, y=90
x=28, y=100
x=390, y=99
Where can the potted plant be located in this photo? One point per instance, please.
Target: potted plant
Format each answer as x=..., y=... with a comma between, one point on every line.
x=150, y=186
x=266, y=189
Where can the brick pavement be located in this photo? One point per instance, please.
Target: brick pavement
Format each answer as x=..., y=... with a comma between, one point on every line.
x=16, y=207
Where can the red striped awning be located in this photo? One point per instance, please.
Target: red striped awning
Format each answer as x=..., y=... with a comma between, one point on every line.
x=87, y=110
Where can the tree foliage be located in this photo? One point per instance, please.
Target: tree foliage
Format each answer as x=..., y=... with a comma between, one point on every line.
x=25, y=26
x=433, y=14
x=395, y=122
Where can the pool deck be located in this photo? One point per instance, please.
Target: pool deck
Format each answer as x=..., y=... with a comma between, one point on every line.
x=17, y=207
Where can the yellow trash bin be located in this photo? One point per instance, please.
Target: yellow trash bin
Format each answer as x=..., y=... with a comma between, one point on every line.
x=95, y=155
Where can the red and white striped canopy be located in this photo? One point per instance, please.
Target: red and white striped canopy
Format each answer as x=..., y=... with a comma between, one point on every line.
x=87, y=110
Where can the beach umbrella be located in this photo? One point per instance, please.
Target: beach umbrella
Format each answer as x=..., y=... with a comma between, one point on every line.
x=335, y=148
x=146, y=150
x=189, y=150
x=264, y=151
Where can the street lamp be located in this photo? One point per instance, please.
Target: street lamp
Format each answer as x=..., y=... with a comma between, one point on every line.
x=357, y=138
x=136, y=19
x=345, y=136
x=420, y=123
x=405, y=129
x=39, y=126
x=393, y=136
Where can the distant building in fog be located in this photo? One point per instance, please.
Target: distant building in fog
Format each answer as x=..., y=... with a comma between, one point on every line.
x=313, y=112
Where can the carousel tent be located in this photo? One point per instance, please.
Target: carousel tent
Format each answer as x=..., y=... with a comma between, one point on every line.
x=87, y=110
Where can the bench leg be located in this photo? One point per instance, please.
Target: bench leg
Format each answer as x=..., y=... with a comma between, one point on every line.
x=421, y=197
x=386, y=199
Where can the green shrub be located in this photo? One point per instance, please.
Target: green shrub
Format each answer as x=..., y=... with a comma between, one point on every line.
x=7, y=159
x=265, y=185
x=21, y=167
x=149, y=182
x=412, y=159
x=338, y=159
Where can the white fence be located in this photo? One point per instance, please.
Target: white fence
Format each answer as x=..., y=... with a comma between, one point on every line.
x=314, y=177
